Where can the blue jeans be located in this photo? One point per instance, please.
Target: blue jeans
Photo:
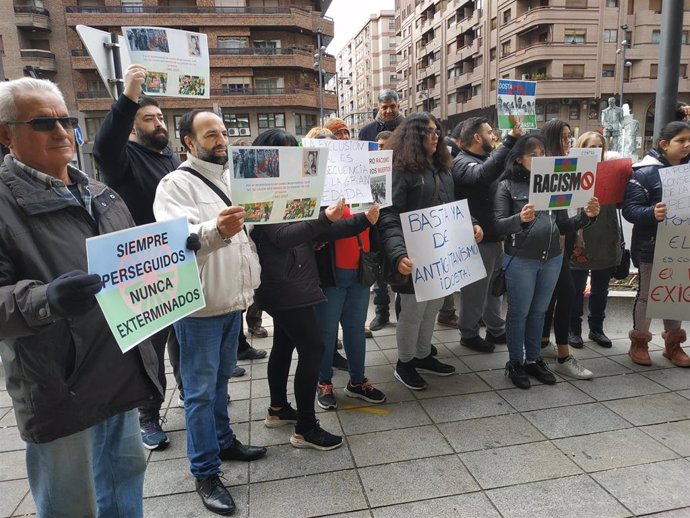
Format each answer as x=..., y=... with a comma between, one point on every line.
x=598, y=297
x=96, y=472
x=530, y=285
x=208, y=354
x=347, y=303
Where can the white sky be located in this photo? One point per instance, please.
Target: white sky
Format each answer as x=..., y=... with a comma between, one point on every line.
x=349, y=17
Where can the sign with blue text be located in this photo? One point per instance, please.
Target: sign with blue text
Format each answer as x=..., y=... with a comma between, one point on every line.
x=440, y=244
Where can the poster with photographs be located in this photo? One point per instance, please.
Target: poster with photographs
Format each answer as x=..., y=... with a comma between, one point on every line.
x=348, y=170
x=177, y=61
x=380, y=180
x=277, y=184
x=516, y=101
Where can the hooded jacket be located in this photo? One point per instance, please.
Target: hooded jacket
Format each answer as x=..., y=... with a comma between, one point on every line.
x=230, y=271
x=64, y=375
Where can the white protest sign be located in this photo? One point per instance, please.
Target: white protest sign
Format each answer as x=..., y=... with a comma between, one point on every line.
x=380, y=181
x=586, y=151
x=347, y=171
x=669, y=286
x=98, y=44
x=440, y=244
x=276, y=184
x=562, y=182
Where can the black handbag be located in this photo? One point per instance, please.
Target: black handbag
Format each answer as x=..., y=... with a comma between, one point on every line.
x=498, y=284
x=370, y=266
x=622, y=271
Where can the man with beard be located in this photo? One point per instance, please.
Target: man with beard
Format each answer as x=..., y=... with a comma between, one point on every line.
x=388, y=116
x=230, y=271
x=476, y=169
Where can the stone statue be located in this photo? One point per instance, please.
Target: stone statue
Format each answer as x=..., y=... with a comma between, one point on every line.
x=612, y=120
x=629, y=133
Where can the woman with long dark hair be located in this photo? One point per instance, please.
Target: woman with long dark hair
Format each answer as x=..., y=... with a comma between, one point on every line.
x=557, y=139
x=532, y=262
x=642, y=206
x=421, y=178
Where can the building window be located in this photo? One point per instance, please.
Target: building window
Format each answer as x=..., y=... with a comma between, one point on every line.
x=575, y=36
x=656, y=36
x=611, y=3
x=451, y=98
x=492, y=85
x=230, y=3
x=683, y=71
x=237, y=124
x=574, y=111
x=653, y=71
x=393, y=78
x=93, y=124
x=507, y=16
x=304, y=122
x=267, y=46
x=655, y=5
x=608, y=70
x=476, y=90
x=576, y=4
x=573, y=71
x=610, y=35
x=132, y=6
x=269, y=83
x=685, y=38
x=539, y=111
x=506, y=48
x=551, y=111
x=492, y=53
x=494, y=22
x=237, y=84
x=271, y=120
x=232, y=42
x=176, y=123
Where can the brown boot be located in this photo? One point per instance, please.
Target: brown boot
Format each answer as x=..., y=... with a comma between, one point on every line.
x=674, y=351
x=639, y=341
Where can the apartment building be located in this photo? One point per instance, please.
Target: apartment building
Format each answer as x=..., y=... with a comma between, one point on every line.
x=261, y=57
x=365, y=66
x=451, y=53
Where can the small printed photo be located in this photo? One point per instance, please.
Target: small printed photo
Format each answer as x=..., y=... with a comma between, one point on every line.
x=191, y=85
x=193, y=45
x=155, y=83
x=378, y=189
x=256, y=212
x=300, y=209
x=256, y=163
x=148, y=40
x=311, y=159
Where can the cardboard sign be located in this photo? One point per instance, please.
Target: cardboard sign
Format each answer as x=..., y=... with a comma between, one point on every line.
x=380, y=181
x=516, y=101
x=561, y=182
x=440, y=244
x=669, y=287
x=276, y=184
x=150, y=279
x=612, y=177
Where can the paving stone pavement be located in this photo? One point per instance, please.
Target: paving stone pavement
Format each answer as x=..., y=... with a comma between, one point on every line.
x=472, y=445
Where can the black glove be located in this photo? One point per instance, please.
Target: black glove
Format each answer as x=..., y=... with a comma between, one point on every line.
x=193, y=243
x=73, y=293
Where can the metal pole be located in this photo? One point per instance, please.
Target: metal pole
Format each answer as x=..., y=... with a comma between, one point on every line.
x=669, y=63
x=320, y=53
x=117, y=63
x=337, y=96
x=625, y=44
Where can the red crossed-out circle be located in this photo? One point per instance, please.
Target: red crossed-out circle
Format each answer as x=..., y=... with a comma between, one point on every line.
x=587, y=180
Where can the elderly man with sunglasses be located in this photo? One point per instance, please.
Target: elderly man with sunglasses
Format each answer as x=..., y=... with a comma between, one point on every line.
x=74, y=392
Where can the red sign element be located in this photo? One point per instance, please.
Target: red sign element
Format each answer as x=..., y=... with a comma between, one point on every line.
x=587, y=181
x=612, y=177
x=517, y=89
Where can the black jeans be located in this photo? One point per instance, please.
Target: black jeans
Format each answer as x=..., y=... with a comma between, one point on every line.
x=561, y=305
x=296, y=329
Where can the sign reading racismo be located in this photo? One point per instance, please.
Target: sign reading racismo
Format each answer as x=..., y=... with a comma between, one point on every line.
x=562, y=182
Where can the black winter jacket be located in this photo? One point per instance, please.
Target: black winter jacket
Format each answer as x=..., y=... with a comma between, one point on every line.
x=476, y=179
x=411, y=191
x=132, y=170
x=369, y=131
x=642, y=193
x=63, y=375
x=289, y=277
x=539, y=239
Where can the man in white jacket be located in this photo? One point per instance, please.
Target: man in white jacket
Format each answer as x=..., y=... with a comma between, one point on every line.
x=230, y=271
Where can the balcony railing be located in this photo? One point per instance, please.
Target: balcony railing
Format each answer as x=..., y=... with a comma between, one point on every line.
x=31, y=9
x=257, y=91
x=193, y=9
x=253, y=51
x=37, y=54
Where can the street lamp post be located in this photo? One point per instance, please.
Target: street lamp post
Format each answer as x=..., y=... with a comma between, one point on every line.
x=624, y=63
x=318, y=55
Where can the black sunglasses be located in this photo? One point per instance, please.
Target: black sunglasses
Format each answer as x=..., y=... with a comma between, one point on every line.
x=48, y=123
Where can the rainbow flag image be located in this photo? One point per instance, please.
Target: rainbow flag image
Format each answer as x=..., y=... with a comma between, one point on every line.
x=560, y=200
x=565, y=165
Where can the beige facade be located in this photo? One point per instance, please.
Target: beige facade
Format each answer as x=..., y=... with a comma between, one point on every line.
x=451, y=52
x=365, y=66
x=261, y=56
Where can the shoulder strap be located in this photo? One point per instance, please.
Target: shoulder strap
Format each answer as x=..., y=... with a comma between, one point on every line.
x=210, y=184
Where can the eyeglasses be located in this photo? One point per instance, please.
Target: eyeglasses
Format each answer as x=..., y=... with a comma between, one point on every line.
x=48, y=123
x=565, y=138
x=432, y=131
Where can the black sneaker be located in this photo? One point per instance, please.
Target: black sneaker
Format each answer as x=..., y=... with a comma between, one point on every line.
x=339, y=362
x=434, y=351
x=477, y=343
x=432, y=366
x=575, y=340
x=276, y=418
x=316, y=438
x=325, y=397
x=517, y=374
x=378, y=322
x=541, y=371
x=251, y=354
x=406, y=374
x=496, y=339
x=365, y=391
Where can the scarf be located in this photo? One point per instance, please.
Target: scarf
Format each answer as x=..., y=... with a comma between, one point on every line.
x=392, y=124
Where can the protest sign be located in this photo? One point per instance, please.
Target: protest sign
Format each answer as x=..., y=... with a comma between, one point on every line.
x=276, y=184
x=612, y=177
x=669, y=286
x=150, y=279
x=380, y=181
x=561, y=182
x=347, y=171
x=586, y=151
x=176, y=61
x=440, y=244
x=516, y=101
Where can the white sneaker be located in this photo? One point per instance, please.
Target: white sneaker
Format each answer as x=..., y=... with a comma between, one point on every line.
x=572, y=368
x=549, y=351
